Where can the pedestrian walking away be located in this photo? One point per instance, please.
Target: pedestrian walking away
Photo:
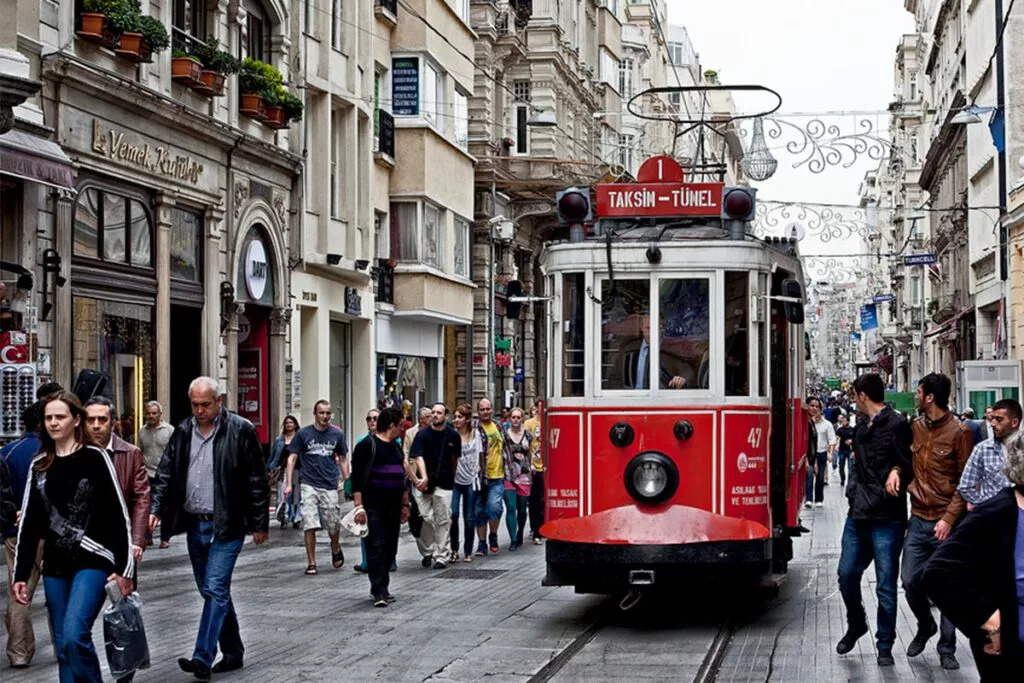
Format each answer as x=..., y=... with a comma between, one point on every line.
x=321, y=449
x=940, y=448
x=844, y=436
x=212, y=486
x=74, y=505
x=435, y=451
x=288, y=507
x=876, y=521
x=825, y=443
x=494, y=474
x=153, y=439
x=467, y=482
x=381, y=498
x=17, y=458
x=984, y=475
x=976, y=576
x=533, y=428
x=517, y=485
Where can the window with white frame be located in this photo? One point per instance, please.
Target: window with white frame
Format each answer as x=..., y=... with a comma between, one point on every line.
x=380, y=87
x=521, y=109
x=626, y=78
x=433, y=95
x=383, y=244
x=915, y=290
x=676, y=100
x=461, y=8
x=626, y=151
x=337, y=18
x=433, y=236
x=912, y=86
x=460, y=257
x=336, y=142
x=460, y=124
x=912, y=149
x=608, y=68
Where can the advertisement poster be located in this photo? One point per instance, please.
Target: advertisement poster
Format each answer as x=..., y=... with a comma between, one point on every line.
x=405, y=86
x=249, y=395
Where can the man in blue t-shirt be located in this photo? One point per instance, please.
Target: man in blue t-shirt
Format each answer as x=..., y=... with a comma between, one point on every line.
x=323, y=450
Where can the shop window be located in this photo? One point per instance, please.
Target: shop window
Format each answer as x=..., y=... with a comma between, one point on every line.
x=186, y=244
x=116, y=339
x=411, y=379
x=113, y=227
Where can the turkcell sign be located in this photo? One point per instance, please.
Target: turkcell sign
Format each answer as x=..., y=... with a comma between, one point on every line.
x=925, y=259
x=659, y=199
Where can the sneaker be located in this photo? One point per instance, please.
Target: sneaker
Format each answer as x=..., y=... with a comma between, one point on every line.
x=493, y=540
x=949, y=662
x=916, y=646
x=481, y=550
x=388, y=597
x=537, y=541
x=380, y=602
x=885, y=657
x=850, y=639
x=425, y=562
x=440, y=564
x=808, y=504
x=512, y=546
x=819, y=504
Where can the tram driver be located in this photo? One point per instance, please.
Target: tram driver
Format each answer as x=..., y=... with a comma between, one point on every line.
x=635, y=359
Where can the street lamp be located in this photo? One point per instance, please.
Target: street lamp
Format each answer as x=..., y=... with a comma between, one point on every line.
x=541, y=118
x=970, y=114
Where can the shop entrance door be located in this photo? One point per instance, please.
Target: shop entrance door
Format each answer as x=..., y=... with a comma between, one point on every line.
x=253, y=383
x=186, y=359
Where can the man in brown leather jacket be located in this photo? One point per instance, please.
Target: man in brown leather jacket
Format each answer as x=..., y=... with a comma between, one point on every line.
x=941, y=447
x=128, y=463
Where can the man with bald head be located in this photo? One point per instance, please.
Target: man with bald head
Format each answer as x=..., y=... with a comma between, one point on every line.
x=212, y=485
x=497, y=457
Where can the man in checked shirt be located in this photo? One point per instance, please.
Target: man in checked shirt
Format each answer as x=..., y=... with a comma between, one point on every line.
x=983, y=475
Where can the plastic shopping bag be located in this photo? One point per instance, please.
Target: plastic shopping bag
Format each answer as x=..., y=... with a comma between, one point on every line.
x=124, y=635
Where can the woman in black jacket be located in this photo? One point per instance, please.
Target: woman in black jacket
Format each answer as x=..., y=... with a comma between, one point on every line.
x=973, y=576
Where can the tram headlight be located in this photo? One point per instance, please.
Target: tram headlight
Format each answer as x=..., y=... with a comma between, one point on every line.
x=651, y=478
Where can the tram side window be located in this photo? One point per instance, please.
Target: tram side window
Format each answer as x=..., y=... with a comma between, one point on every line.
x=685, y=333
x=573, y=303
x=737, y=337
x=625, y=334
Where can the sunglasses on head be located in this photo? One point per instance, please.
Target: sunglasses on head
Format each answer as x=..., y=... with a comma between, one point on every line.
x=371, y=419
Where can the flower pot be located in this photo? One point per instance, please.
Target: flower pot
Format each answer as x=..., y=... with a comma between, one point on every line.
x=186, y=71
x=210, y=83
x=251, y=105
x=93, y=24
x=131, y=47
x=274, y=117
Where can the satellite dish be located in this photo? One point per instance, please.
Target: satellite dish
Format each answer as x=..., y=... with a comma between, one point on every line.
x=795, y=230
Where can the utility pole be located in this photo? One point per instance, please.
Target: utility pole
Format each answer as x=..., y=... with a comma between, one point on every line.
x=920, y=371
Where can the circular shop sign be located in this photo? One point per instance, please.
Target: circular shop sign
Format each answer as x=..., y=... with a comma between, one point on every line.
x=256, y=269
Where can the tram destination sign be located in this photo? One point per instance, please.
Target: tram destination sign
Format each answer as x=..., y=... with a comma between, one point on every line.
x=659, y=199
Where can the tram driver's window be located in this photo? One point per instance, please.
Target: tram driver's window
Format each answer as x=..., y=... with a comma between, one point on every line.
x=685, y=361
x=625, y=334
x=737, y=338
x=573, y=303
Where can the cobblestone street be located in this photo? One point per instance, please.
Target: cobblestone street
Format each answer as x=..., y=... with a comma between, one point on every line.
x=491, y=619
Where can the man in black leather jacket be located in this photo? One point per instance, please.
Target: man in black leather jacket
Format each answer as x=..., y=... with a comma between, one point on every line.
x=212, y=485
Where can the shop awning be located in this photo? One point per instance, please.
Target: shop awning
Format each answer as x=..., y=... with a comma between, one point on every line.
x=948, y=325
x=36, y=159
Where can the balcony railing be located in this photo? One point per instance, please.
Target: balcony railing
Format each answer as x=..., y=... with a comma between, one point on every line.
x=385, y=282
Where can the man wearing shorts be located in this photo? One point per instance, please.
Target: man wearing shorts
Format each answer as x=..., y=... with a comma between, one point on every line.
x=322, y=448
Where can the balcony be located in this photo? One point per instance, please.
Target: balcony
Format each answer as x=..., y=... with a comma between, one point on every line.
x=386, y=11
x=426, y=294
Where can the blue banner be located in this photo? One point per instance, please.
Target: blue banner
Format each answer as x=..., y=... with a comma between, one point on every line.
x=868, y=317
x=855, y=337
x=405, y=86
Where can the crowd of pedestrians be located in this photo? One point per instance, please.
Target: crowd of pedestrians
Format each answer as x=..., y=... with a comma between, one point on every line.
x=959, y=547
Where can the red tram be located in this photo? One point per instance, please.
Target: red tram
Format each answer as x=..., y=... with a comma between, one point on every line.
x=676, y=453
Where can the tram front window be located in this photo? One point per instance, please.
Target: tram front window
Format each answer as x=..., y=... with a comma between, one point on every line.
x=625, y=334
x=685, y=333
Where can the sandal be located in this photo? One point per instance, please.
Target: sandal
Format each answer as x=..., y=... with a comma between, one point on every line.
x=338, y=558
x=311, y=570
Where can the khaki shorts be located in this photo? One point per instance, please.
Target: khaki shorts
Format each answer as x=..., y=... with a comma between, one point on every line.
x=320, y=509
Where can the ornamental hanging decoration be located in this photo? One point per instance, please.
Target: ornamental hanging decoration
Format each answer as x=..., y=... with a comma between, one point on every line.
x=758, y=163
x=822, y=222
x=819, y=145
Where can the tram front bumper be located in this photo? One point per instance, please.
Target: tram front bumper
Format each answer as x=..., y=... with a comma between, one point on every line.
x=637, y=546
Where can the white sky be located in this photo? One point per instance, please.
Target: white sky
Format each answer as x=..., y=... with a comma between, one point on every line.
x=820, y=55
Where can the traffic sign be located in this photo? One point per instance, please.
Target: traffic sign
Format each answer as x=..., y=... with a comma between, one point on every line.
x=882, y=298
x=659, y=199
x=925, y=259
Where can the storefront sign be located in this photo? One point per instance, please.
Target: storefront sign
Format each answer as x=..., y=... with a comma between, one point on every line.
x=405, y=86
x=353, y=302
x=249, y=398
x=256, y=269
x=157, y=159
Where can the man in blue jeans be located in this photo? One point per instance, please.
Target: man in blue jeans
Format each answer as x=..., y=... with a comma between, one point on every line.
x=876, y=521
x=212, y=485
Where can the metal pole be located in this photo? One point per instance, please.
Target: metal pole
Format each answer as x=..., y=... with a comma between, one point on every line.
x=920, y=369
x=491, y=270
x=1004, y=250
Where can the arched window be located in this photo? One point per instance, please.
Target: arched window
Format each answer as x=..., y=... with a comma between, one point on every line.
x=113, y=227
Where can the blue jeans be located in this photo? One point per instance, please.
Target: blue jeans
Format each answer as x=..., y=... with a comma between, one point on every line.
x=815, y=486
x=842, y=457
x=516, y=507
x=865, y=542
x=213, y=562
x=73, y=604
x=920, y=544
x=464, y=497
x=488, y=501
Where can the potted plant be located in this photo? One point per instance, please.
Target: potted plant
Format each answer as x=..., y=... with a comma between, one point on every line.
x=217, y=65
x=185, y=68
x=154, y=36
x=257, y=81
x=273, y=112
x=94, y=20
x=124, y=20
x=292, y=106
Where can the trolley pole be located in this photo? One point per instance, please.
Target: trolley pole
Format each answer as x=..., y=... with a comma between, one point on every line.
x=921, y=373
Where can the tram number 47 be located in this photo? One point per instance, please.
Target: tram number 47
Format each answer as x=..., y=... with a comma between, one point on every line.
x=754, y=438
x=553, y=435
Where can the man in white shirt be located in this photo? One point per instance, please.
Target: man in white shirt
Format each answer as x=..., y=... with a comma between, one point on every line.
x=825, y=443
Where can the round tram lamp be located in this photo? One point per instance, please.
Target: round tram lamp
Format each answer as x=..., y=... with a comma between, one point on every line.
x=738, y=203
x=574, y=209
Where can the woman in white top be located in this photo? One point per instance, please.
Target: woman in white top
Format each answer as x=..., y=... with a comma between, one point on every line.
x=467, y=481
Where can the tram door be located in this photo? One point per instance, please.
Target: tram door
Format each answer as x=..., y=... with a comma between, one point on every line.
x=779, y=384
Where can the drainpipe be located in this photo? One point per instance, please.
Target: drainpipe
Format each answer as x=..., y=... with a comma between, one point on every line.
x=489, y=361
